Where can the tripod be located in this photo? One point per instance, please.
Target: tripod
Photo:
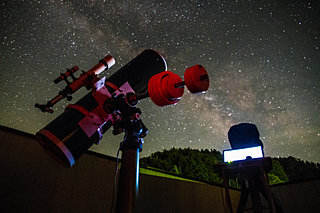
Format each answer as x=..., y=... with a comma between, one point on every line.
x=254, y=182
x=127, y=119
x=129, y=177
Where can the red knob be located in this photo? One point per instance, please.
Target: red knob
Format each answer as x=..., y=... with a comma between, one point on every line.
x=162, y=88
x=196, y=79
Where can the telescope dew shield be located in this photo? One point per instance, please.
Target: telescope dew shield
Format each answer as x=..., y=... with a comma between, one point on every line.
x=66, y=140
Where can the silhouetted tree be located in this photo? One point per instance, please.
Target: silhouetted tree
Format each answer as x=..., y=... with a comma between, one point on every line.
x=298, y=170
x=200, y=165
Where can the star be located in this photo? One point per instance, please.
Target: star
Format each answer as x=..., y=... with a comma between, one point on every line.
x=262, y=59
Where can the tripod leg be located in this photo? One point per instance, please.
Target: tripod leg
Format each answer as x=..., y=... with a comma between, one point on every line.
x=244, y=196
x=266, y=191
x=128, y=182
x=226, y=186
x=255, y=197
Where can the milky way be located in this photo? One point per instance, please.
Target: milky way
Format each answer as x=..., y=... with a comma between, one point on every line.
x=262, y=57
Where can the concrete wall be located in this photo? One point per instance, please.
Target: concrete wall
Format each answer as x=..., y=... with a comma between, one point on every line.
x=30, y=181
x=299, y=197
x=168, y=195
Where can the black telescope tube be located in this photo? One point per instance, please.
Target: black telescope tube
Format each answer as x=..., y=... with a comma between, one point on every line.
x=138, y=71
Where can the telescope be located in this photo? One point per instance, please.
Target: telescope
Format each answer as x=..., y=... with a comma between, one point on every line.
x=112, y=102
x=247, y=163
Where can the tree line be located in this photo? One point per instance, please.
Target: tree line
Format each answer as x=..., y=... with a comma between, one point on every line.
x=202, y=165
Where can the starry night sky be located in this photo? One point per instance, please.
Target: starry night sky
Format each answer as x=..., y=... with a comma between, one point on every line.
x=263, y=60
